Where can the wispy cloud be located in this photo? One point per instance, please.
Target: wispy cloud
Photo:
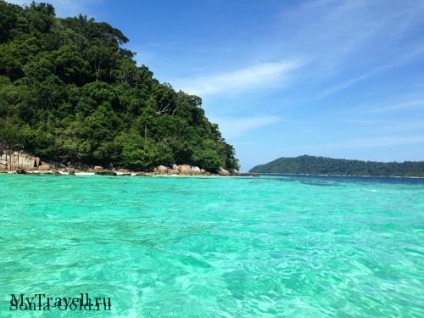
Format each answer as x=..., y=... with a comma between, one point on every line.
x=20, y=2
x=346, y=83
x=349, y=42
x=236, y=127
x=352, y=81
x=409, y=103
x=238, y=81
x=372, y=142
x=65, y=8
x=400, y=106
x=384, y=142
x=341, y=86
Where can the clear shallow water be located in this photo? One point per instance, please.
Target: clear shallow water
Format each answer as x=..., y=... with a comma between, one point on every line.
x=215, y=247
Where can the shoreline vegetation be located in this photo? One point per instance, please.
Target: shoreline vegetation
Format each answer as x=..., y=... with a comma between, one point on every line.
x=74, y=96
x=312, y=165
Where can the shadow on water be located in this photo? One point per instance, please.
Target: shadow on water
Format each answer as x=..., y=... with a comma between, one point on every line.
x=320, y=183
x=335, y=181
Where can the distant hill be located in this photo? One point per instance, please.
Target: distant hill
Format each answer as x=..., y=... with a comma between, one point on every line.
x=329, y=166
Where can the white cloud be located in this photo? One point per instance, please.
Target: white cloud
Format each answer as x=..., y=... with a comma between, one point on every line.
x=232, y=127
x=238, y=81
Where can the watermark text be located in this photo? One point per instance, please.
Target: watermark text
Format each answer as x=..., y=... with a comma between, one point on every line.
x=42, y=302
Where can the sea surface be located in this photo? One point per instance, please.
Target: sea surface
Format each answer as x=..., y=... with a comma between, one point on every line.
x=268, y=246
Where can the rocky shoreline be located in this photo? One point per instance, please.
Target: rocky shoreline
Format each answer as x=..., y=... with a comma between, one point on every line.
x=22, y=163
x=120, y=172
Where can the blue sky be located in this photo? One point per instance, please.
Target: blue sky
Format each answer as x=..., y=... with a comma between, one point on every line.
x=342, y=79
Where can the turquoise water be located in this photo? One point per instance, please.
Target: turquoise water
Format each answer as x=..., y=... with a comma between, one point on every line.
x=215, y=247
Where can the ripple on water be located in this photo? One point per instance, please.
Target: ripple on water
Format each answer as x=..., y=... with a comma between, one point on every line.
x=221, y=247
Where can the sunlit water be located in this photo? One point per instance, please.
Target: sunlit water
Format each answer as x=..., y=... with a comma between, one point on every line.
x=215, y=247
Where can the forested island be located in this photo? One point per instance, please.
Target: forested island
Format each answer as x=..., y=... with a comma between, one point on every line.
x=329, y=166
x=71, y=94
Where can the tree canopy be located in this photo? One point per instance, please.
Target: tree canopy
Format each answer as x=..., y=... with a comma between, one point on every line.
x=69, y=92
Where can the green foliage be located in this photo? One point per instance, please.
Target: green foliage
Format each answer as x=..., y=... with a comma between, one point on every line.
x=70, y=93
x=328, y=166
x=8, y=19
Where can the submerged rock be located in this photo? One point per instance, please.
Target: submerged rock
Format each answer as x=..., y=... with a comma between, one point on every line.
x=106, y=173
